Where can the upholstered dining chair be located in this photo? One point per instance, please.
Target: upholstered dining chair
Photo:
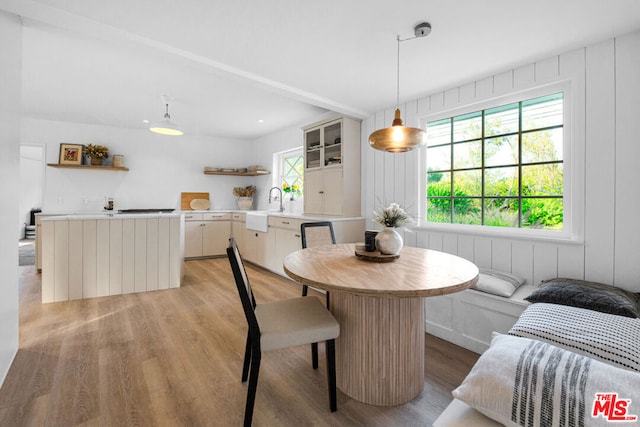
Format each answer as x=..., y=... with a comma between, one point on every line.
x=278, y=325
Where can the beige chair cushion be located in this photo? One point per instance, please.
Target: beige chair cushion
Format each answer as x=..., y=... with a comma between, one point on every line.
x=294, y=322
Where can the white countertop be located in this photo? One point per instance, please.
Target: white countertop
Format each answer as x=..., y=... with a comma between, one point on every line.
x=108, y=215
x=282, y=214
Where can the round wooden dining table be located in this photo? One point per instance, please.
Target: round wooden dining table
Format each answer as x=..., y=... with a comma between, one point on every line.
x=380, y=309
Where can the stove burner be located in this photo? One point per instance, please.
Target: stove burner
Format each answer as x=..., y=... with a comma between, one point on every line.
x=144, y=211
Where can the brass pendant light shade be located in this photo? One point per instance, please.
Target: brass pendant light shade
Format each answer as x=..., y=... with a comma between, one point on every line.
x=399, y=138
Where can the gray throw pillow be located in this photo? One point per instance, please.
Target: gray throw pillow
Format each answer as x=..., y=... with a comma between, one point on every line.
x=589, y=295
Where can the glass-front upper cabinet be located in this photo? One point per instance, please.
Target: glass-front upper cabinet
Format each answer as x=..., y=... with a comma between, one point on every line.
x=312, y=148
x=323, y=145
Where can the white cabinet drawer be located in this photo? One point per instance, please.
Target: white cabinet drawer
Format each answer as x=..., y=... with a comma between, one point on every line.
x=193, y=216
x=217, y=216
x=238, y=216
x=287, y=223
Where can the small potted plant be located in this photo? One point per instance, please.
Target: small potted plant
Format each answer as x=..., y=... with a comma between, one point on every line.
x=245, y=196
x=291, y=190
x=96, y=153
x=389, y=241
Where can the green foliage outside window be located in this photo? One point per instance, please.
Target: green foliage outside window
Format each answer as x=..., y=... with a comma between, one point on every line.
x=498, y=167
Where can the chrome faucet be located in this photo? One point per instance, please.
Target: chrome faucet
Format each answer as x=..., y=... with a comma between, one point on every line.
x=280, y=190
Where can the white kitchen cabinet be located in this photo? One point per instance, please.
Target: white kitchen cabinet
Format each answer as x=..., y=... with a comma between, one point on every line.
x=238, y=228
x=259, y=248
x=206, y=234
x=287, y=237
x=332, y=167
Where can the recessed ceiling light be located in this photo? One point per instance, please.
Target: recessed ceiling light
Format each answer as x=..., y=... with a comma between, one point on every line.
x=145, y=121
x=260, y=121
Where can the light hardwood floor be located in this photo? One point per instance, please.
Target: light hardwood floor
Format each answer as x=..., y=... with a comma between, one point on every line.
x=174, y=358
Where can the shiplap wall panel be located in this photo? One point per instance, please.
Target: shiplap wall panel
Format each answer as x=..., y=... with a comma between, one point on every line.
x=451, y=98
x=368, y=170
x=450, y=244
x=482, y=252
x=61, y=250
x=627, y=225
x=164, y=254
x=437, y=102
x=501, y=255
x=115, y=257
x=75, y=260
x=524, y=77
x=102, y=254
x=600, y=162
x=571, y=261
x=484, y=88
x=140, y=255
x=422, y=239
x=503, y=83
x=152, y=254
x=128, y=256
x=545, y=262
x=522, y=259
x=435, y=241
x=547, y=70
x=465, y=247
x=467, y=93
x=379, y=159
x=176, y=252
x=89, y=285
x=48, y=261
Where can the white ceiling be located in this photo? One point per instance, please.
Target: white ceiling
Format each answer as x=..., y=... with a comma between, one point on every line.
x=228, y=64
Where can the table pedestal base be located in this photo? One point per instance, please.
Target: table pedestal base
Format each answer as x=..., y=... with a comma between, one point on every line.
x=380, y=350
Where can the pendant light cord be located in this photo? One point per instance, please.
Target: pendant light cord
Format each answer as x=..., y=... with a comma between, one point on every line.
x=398, y=74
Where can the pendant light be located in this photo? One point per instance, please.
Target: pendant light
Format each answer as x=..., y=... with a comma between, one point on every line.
x=399, y=138
x=165, y=126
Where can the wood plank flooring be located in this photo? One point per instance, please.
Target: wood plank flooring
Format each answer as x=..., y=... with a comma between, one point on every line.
x=174, y=358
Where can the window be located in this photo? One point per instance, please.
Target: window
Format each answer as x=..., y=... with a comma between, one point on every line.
x=290, y=169
x=501, y=166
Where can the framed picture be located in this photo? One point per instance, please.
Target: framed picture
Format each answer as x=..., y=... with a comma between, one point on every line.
x=71, y=154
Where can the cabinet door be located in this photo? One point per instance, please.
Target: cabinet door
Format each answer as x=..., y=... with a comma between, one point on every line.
x=259, y=248
x=237, y=232
x=192, y=239
x=333, y=191
x=313, y=192
x=287, y=241
x=215, y=237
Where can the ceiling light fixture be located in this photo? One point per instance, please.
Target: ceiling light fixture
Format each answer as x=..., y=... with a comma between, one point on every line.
x=165, y=126
x=399, y=138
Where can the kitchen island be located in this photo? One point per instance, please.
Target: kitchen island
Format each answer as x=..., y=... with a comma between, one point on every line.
x=95, y=255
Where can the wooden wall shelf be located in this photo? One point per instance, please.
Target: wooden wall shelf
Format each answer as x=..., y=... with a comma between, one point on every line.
x=252, y=173
x=105, y=168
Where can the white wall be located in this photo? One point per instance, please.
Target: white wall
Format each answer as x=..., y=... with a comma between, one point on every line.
x=10, y=82
x=160, y=167
x=31, y=182
x=605, y=111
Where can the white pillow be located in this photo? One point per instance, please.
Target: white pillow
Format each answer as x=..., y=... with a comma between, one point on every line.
x=498, y=282
x=519, y=381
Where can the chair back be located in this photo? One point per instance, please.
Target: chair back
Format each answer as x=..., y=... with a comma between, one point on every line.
x=317, y=234
x=244, y=287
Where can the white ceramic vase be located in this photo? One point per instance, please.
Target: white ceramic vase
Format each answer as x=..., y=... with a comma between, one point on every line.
x=245, y=203
x=389, y=241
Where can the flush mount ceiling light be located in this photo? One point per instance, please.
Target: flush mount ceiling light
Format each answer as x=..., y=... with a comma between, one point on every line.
x=165, y=126
x=399, y=138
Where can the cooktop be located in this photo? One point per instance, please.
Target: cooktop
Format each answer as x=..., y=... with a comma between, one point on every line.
x=143, y=211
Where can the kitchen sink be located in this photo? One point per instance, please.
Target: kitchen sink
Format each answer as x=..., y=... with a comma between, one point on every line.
x=257, y=220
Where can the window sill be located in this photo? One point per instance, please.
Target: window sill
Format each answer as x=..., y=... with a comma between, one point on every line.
x=501, y=233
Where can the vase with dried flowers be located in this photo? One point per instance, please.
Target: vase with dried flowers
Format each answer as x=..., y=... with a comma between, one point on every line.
x=245, y=196
x=96, y=153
